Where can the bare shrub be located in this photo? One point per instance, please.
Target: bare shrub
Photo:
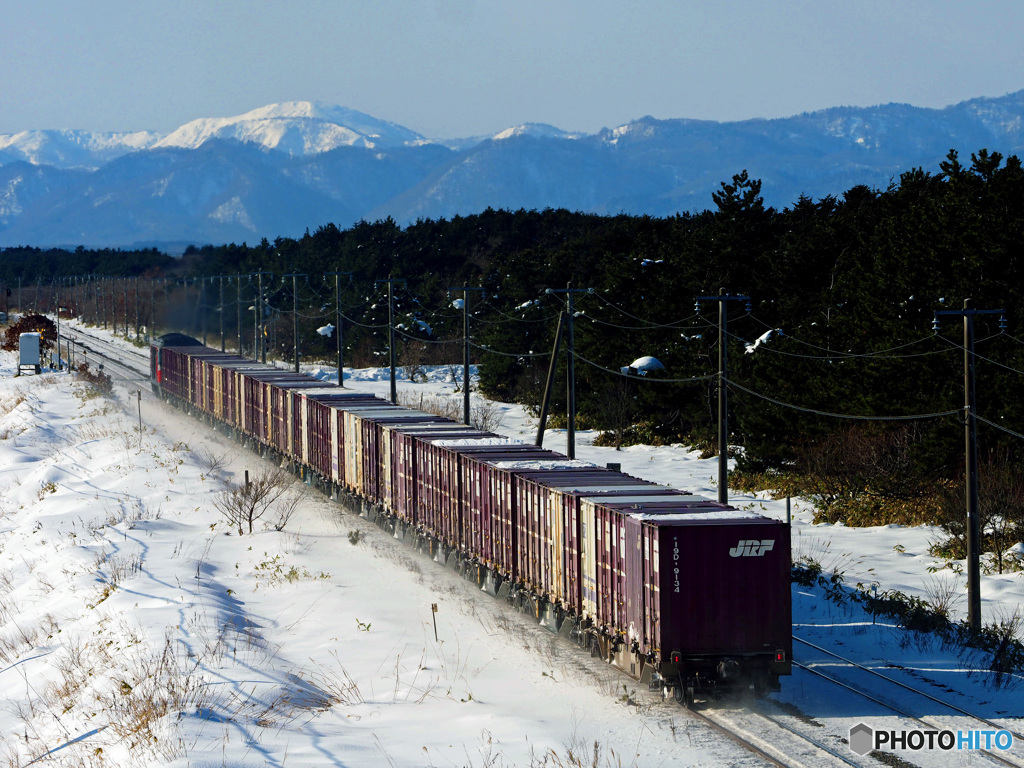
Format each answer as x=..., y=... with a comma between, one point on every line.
x=483, y=414
x=1000, y=512
x=98, y=379
x=213, y=464
x=244, y=503
x=943, y=595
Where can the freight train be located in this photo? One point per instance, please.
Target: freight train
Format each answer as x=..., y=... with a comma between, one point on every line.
x=680, y=592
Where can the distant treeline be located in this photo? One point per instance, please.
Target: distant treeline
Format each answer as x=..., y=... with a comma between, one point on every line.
x=852, y=283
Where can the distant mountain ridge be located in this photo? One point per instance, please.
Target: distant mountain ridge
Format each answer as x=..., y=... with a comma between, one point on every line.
x=285, y=168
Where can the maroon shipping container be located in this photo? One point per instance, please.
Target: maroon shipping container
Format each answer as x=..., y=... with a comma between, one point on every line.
x=261, y=421
x=316, y=441
x=407, y=453
x=713, y=585
x=492, y=519
x=376, y=449
x=285, y=416
x=438, y=483
x=548, y=553
x=399, y=494
x=602, y=551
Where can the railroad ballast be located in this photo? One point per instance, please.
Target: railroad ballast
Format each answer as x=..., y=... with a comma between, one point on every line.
x=679, y=591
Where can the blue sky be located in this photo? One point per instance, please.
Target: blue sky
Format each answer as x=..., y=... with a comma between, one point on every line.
x=453, y=68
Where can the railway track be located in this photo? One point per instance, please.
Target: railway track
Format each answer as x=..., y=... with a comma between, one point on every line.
x=887, y=692
x=129, y=364
x=773, y=740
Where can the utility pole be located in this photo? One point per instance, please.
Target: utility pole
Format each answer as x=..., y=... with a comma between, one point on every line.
x=238, y=309
x=971, y=456
x=465, y=348
x=337, y=321
x=152, y=308
x=570, y=364
x=136, y=307
x=723, y=394
x=549, y=382
x=57, y=285
x=295, y=315
x=259, y=351
x=201, y=306
x=391, y=335
x=220, y=310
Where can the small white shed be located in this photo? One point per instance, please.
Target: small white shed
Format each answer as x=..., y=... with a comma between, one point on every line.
x=28, y=352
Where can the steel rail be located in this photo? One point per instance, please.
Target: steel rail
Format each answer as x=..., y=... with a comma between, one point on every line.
x=928, y=696
x=745, y=741
x=897, y=710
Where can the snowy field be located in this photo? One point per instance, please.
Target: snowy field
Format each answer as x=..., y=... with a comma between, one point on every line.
x=137, y=628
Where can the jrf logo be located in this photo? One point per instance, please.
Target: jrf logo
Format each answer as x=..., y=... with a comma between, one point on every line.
x=752, y=548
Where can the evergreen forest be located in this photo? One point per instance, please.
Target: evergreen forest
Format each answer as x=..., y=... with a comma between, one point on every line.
x=843, y=383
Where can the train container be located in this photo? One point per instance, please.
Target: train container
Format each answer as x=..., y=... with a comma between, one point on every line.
x=224, y=400
x=338, y=407
x=406, y=454
x=570, y=498
x=229, y=372
x=439, y=485
x=316, y=428
x=603, y=552
x=169, y=361
x=376, y=449
x=398, y=494
x=253, y=401
x=445, y=492
x=351, y=434
x=540, y=527
x=282, y=424
x=547, y=518
x=711, y=603
x=491, y=502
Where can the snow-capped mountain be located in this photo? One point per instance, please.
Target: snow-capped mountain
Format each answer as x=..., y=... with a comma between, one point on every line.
x=285, y=168
x=537, y=130
x=72, y=149
x=296, y=128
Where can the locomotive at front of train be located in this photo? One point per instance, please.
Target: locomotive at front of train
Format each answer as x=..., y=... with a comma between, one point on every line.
x=159, y=362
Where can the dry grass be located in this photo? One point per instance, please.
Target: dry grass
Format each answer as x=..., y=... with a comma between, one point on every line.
x=484, y=415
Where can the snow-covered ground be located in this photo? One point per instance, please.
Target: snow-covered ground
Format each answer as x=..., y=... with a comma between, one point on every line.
x=138, y=628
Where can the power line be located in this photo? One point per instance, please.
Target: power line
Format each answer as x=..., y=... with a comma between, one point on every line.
x=816, y=412
x=999, y=427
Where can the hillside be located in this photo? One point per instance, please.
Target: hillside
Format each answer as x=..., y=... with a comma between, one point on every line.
x=285, y=168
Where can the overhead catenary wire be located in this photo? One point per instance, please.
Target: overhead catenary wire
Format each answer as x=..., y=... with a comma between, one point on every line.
x=1001, y=428
x=854, y=417
x=489, y=350
x=649, y=323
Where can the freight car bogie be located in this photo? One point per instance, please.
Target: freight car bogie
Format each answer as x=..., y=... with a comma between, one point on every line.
x=717, y=677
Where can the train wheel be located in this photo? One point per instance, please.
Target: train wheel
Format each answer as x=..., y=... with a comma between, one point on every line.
x=762, y=685
x=684, y=694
